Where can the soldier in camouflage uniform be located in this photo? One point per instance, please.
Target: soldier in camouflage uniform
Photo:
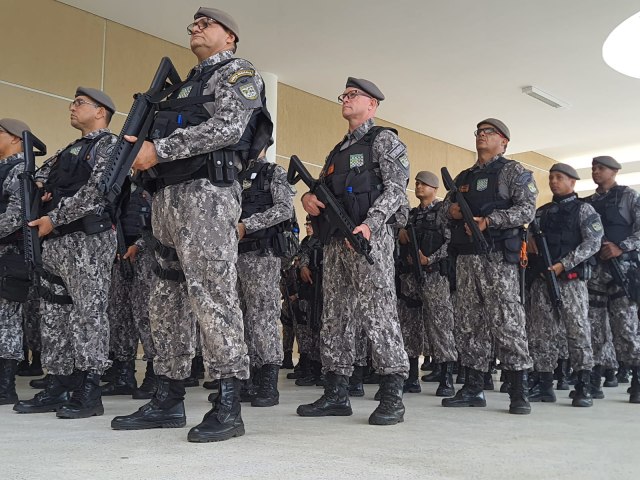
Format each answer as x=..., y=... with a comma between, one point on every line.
x=501, y=194
x=368, y=172
x=619, y=209
x=79, y=248
x=128, y=310
x=267, y=206
x=433, y=235
x=573, y=232
x=11, y=165
x=217, y=122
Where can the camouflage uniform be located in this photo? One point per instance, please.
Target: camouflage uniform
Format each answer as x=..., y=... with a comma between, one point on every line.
x=411, y=317
x=200, y=221
x=31, y=321
x=259, y=277
x=611, y=313
x=309, y=335
x=10, y=222
x=77, y=336
x=362, y=296
x=544, y=320
x=488, y=299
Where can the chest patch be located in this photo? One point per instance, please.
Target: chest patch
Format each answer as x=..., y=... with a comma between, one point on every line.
x=356, y=160
x=185, y=91
x=75, y=150
x=246, y=184
x=482, y=184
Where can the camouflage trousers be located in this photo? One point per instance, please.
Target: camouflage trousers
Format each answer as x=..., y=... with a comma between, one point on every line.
x=614, y=320
x=361, y=297
x=544, y=324
x=288, y=333
x=410, y=317
x=77, y=336
x=437, y=314
x=31, y=322
x=259, y=292
x=489, y=309
x=199, y=221
x=10, y=321
x=308, y=338
x=129, y=309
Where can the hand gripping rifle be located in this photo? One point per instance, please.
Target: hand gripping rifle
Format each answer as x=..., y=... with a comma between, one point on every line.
x=480, y=243
x=549, y=275
x=414, y=250
x=335, y=213
x=619, y=277
x=137, y=124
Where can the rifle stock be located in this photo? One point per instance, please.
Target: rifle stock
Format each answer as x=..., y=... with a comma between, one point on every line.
x=335, y=213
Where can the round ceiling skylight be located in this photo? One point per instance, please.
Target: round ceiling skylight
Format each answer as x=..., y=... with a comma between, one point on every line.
x=621, y=49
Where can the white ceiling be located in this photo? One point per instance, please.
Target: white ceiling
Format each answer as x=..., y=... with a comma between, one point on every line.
x=443, y=65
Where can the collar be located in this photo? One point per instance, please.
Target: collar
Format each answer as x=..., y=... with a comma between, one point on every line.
x=565, y=198
x=10, y=158
x=213, y=59
x=359, y=132
x=478, y=165
x=95, y=133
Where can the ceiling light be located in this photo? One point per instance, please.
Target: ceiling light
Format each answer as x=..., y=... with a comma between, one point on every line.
x=544, y=97
x=620, y=49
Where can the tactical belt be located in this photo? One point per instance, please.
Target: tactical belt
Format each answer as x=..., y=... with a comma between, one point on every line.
x=253, y=245
x=90, y=225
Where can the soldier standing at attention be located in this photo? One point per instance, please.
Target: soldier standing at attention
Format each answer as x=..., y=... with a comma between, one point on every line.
x=368, y=172
x=502, y=196
x=216, y=124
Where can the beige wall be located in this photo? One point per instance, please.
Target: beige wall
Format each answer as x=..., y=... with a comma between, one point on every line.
x=66, y=47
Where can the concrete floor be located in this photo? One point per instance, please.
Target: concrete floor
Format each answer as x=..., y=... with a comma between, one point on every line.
x=555, y=442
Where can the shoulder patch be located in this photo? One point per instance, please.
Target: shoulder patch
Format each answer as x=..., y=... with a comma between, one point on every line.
x=524, y=178
x=596, y=226
x=532, y=187
x=245, y=72
x=404, y=160
x=398, y=151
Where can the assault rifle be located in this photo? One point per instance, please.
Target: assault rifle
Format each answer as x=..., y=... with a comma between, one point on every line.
x=126, y=268
x=137, y=124
x=315, y=319
x=550, y=277
x=414, y=251
x=479, y=241
x=619, y=278
x=335, y=213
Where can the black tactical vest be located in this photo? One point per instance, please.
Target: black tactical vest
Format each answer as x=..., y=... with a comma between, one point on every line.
x=480, y=189
x=136, y=217
x=185, y=108
x=354, y=178
x=428, y=229
x=5, y=169
x=616, y=227
x=256, y=197
x=560, y=222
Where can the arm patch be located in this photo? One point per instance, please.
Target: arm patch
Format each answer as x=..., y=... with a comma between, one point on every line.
x=248, y=93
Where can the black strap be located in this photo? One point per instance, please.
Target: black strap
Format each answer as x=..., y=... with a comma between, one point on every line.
x=168, y=274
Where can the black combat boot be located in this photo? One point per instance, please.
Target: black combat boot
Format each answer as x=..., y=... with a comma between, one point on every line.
x=610, y=379
x=412, y=384
x=125, y=382
x=8, y=369
x=23, y=365
x=596, y=383
x=471, y=394
x=391, y=409
x=446, y=388
x=542, y=391
x=224, y=420
x=461, y=378
x=85, y=401
x=303, y=362
x=370, y=376
x=148, y=386
x=31, y=370
x=356, y=387
x=623, y=373
x=165, y=410
x=504, y=388
x=561, y=374
x=40, y=383
x=427, y=365
x=56, y=393
x=634, y=389
x=310, y=375
x=434, y=376
x=518, y=392
x=249, y=387
x=582, y=394
x=267, y=394
x=197, y=372
x=110, y=374
x=488, y=381
x=334, y=401
x=212, y=385
x=287, y=361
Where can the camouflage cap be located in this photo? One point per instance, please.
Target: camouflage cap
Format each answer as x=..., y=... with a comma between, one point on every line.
x=607, y=161
x=428, y=178
x=14, y=127
x=98, y=96
x=499, y=125
x=366, y=86
x=568, y=170
x=221, y=17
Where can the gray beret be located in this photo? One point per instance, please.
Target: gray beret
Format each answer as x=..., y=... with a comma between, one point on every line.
x=366, y=86
x=500, y=126
x=221, y=17
x=98, y=96
x=568, y=170
x=14, y=127
x=607, y=161
x=428, y=178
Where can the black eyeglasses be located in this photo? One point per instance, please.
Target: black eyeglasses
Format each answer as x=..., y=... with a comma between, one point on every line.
x=351, y=95
x=201, y=23
x=486, y=131
x=78, y=102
